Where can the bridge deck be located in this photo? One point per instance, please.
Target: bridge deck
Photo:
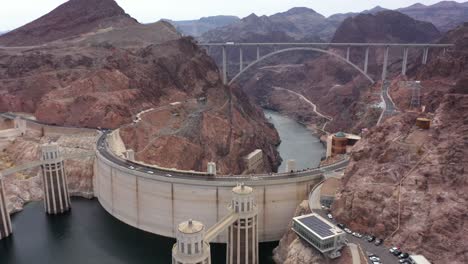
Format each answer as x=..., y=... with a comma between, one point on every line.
x=418, y=45
x=220, y=226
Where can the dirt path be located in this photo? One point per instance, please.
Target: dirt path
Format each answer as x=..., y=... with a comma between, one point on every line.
x=314, y=106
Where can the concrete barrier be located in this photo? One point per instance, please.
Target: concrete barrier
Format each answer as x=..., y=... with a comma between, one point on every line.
x=157, y=204
x=50, y=130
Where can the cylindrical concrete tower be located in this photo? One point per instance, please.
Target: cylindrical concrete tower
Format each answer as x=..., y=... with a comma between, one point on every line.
x=56, y=197
x=190, y=247
x=5, y=221
x=242, y=246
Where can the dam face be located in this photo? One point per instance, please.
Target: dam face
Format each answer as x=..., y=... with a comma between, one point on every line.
x=157, y=204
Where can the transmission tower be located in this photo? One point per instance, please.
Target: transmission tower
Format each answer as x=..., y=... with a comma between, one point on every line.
x=415, y=95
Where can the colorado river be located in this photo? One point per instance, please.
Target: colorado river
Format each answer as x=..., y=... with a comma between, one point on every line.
x=297, y=142
x=88, y=234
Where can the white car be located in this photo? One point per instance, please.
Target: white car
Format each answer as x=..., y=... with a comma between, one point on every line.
x=356, y=234
x=131, y=167
x=347, y=230
x=330, y=216
x=168, y=175
x=150, y=172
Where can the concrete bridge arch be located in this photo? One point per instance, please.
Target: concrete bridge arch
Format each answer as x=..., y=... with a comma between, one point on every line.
x=301, y=49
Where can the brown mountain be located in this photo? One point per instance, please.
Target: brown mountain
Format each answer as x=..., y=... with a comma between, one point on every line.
x=385, y=26
x=408, y=185
x=197, y=27
x=295, y=24
x=69, y=19
x=105, y=77
x=444, y=15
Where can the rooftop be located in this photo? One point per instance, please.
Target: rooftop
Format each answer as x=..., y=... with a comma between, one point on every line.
x=242, y=189
x=318, y=225
x=191, y=227
x=340, y=135
x=253, y=153
x=419, y=259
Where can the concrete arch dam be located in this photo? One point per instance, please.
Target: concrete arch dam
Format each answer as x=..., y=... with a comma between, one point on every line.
x=158, y=201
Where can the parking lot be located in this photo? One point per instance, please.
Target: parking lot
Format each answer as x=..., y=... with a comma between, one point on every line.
x=381, y=251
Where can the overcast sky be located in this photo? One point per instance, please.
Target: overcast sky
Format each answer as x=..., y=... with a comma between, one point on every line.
x=15, y=13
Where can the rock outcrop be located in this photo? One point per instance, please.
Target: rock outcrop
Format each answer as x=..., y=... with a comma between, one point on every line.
x=26, y=186
x=102, y=72
x=70, y=19
x=292, y=249
x=409, y=185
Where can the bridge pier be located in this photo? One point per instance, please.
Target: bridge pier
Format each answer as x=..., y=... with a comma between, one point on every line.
x=425, y=55
x=5, y=221
x=242, y=247
x=405, y=61
x=366, y=60
x=384, y=70
x=241, y=59
x=225, y=81
x=56, y=196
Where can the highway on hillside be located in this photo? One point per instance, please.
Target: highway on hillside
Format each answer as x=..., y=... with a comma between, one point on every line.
x=390, y=108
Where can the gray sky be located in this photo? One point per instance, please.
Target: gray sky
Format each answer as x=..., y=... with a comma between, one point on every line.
x=15, y=13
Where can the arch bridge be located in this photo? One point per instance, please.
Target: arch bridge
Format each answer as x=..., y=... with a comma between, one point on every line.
x=324, y=48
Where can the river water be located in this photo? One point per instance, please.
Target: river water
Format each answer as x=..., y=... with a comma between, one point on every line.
x=297, y=142
x=88, y=234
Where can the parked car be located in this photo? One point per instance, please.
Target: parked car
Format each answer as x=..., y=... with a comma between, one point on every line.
x=370, y=238
x=356, y=234
x=396, y=252
x=330, y=216
x=404, y=261
x=150, y=172
x=347, y=230
x=378, y=242
x=131, y=167
x=403, y=256
x=370, y=254
x=342, y=226
x=393, y=249
x=168, y=175
x=374, y=258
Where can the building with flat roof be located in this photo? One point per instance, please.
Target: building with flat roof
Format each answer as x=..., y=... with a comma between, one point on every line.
x=254, y=160
x=320, y=233
x=419, y=259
